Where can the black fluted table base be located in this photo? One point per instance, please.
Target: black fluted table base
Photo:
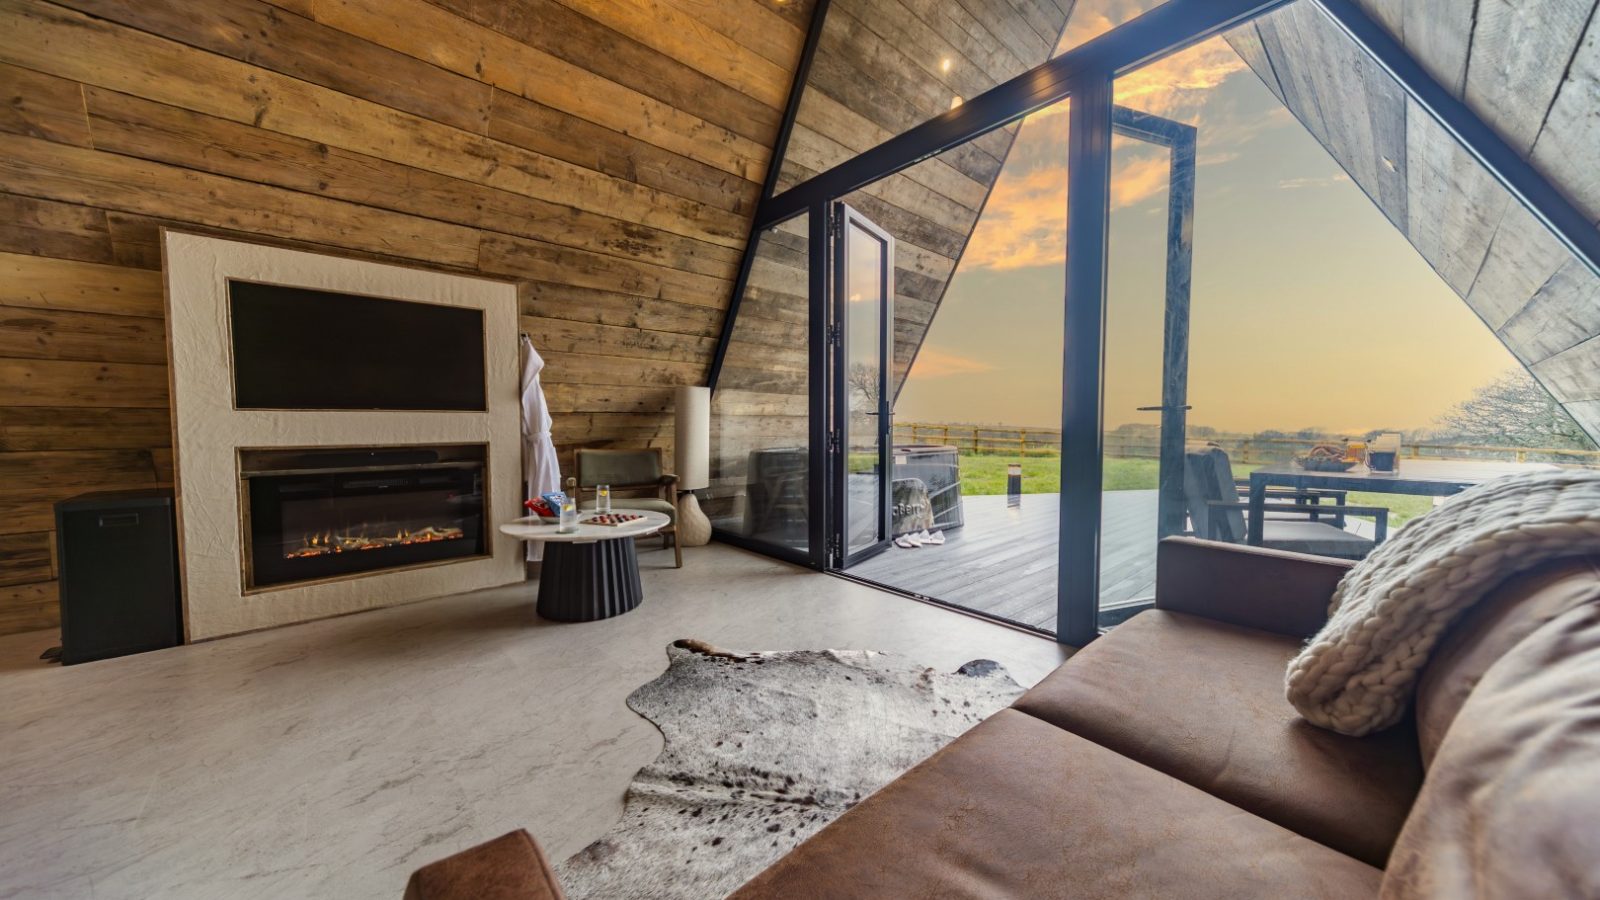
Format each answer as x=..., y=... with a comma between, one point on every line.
x=585, y=582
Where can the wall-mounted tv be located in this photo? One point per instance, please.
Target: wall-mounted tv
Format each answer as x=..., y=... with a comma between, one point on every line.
x=297, y=348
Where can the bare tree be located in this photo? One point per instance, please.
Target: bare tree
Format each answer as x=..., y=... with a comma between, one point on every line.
x=1514, y=411
x=863, y=380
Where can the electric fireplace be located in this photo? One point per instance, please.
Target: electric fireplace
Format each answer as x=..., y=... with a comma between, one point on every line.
x=312, y=515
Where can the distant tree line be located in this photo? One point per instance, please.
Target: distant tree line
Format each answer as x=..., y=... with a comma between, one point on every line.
x=1511, y=411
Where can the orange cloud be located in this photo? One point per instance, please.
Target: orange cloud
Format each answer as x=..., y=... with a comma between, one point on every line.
x=1086, y=23
x=1024, y=223
x=1138, y=178
x=935, y=362
x=1176, y=87
x=1291, y=184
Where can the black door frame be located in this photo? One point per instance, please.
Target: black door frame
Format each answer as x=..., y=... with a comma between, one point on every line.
x=1179, y=139
x=842, y=218
x=1085, y=74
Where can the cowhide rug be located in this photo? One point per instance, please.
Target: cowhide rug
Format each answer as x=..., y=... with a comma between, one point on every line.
x=762, y=750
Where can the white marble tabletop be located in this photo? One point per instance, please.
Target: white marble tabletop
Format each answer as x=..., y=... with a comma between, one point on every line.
x=532, y=528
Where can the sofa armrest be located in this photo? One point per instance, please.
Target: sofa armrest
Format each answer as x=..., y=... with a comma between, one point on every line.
x=1273, y=590
x=510, y=867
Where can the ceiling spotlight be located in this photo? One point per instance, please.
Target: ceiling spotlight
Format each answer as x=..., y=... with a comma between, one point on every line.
x=955, y=102
x=944, y=64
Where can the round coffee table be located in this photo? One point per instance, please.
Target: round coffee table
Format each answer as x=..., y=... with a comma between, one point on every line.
x=591, y=573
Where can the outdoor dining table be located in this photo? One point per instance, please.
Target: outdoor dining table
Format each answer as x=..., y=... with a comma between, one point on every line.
x=1424, y=477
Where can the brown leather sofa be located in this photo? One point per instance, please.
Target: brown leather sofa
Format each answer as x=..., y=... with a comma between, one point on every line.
x=1162, y=760
x=510, y=867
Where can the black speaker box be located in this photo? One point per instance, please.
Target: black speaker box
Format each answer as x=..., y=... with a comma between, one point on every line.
x=117, y=554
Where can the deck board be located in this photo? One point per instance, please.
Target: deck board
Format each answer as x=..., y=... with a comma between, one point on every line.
x=1003, y=562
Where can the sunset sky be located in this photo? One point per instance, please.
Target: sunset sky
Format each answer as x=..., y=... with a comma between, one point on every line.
x=1309, y=308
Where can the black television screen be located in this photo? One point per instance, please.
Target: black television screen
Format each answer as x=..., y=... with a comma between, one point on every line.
x=297, y=348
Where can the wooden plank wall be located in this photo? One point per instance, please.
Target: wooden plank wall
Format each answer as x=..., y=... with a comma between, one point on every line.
x=881, y=67
x=604, y=154
x=1532, y=72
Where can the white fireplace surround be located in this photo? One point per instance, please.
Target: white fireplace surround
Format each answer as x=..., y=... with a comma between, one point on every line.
x=208, y=432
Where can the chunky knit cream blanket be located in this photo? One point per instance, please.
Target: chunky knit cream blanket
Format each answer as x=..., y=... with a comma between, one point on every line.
x=1356, y=676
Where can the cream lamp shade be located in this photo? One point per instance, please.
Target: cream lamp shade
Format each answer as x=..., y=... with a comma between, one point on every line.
x=693, y=439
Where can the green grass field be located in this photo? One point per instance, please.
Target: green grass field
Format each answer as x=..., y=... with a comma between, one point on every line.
x=985, y=474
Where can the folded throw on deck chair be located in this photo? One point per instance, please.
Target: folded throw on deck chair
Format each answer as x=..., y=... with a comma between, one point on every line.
x=1356, y=675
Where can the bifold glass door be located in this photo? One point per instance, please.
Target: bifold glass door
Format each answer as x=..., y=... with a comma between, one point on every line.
x=860, y=346
x=1132, y=297
x=1318, y=322
x=1146, y=407
x=762, y=494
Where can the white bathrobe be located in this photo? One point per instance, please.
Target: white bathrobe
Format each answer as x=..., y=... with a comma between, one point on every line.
x=540, y=469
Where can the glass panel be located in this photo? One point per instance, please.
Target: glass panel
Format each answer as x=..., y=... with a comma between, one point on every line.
x=1092, y=18
x=883, y=68
x=1135, y=353
x=760, y=426
x=978, y=316
x=865, y=258
x=1325, y=306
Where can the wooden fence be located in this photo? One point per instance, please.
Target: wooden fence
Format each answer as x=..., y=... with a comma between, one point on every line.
x=1243, y=449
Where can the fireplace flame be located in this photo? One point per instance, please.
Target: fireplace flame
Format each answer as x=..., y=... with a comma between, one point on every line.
x=360, y=539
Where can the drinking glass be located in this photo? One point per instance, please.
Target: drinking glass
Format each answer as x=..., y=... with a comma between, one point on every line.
x=602, y=498
x=568, y=521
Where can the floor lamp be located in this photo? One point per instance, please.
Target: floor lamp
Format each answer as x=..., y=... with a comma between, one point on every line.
x=692, y=459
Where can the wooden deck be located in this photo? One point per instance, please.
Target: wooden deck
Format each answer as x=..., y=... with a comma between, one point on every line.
x=1003, y=562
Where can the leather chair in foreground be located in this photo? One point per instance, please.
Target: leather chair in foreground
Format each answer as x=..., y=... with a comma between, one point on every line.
x=1163, y=761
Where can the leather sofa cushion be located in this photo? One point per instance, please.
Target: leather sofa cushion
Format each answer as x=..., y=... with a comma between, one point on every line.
x=1254, y=587
x=510, y=867
x=1511, y=801
x=1497, y=623
x=1019, y=808
x=1203, y=702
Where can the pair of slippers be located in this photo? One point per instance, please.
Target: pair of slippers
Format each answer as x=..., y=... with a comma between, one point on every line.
x=910, y=541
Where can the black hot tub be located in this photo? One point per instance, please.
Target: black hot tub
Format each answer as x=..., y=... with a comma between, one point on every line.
x=939, y=467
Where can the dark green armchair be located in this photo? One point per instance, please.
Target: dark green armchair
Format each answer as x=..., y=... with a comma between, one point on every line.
x=634, y=476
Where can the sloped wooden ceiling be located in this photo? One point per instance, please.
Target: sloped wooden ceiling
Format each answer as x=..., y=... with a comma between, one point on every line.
x=604, y=154
x=1528, y=68
x=885, y=66
x=881, y=67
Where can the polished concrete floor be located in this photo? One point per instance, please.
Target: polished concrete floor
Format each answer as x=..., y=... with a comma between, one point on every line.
x=332, y=758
